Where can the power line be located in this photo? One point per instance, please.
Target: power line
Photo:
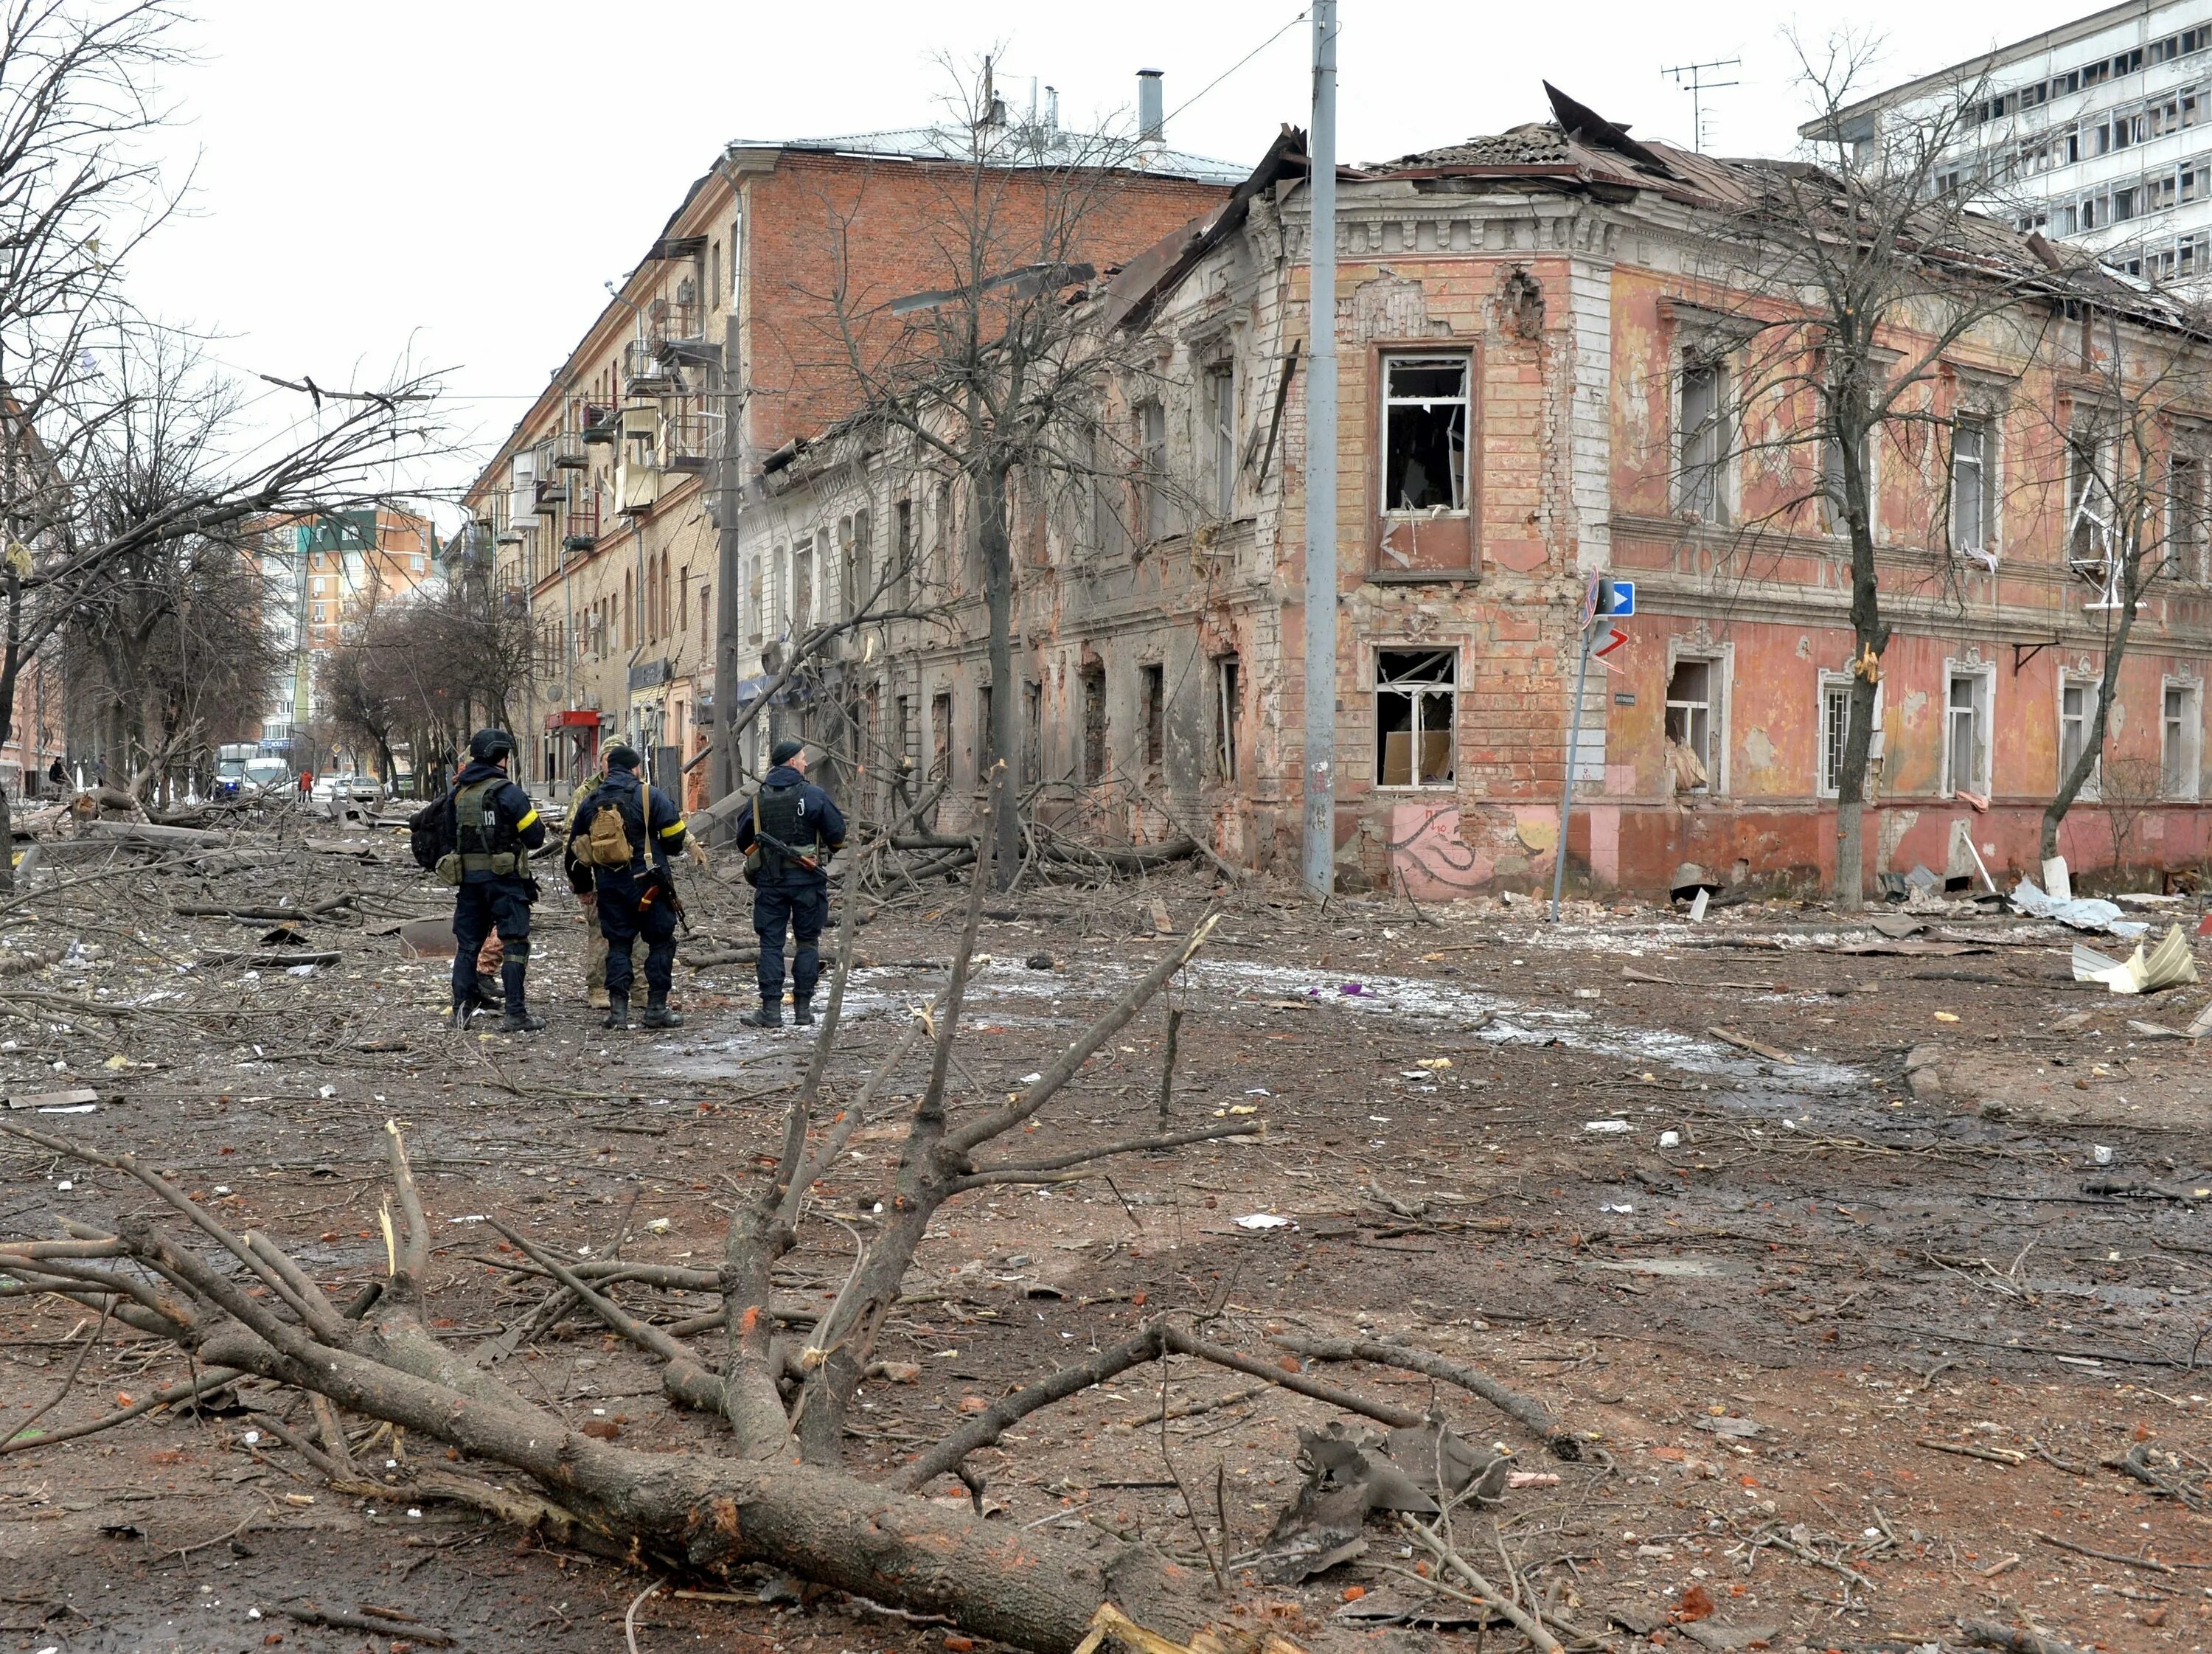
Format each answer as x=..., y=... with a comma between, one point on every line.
x=1234, y=67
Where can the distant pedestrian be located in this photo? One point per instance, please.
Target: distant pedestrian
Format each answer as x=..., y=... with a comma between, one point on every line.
x=307, y=785
x=789, y=835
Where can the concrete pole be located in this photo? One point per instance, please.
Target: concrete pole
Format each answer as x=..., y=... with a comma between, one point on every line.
x=1318, y=871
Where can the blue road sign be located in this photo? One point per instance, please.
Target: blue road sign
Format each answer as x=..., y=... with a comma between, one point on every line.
x=1624, y=601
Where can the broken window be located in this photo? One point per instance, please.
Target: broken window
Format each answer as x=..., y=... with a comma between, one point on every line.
x=1835, y=732
x=1228, y=699
x=1094, y=723
x=1416, y=716
x=986, y=734
x=2185, y=518
x=1834, y=486
x=1221, y=430
x=1425, y=427
x=1152, y=687
x=1704, y=439
x=1032, y=733
x=1155, y=509
x=902, y=549
x=1966, y=733
x=802, y=586
x=1690, y=752
x=2089, y=510
x=2181, y=736
x=1970, y=485
x=941, y=735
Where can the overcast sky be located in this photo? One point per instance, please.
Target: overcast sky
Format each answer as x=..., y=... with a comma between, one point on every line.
x=448, y=183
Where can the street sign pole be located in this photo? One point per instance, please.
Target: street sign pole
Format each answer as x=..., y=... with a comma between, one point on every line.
x=1574, y=754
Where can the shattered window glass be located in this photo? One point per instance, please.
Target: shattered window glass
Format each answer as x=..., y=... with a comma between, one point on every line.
x=1425, y=433
x=1416, y=716
x=1704, y=439
x=1690, y=725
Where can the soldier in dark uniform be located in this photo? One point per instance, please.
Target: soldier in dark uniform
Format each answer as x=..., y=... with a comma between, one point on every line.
x=633, y=899
x=793, y=887
x=496, y=826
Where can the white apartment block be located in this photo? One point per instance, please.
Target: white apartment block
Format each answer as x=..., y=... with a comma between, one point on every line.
x=2098, y=132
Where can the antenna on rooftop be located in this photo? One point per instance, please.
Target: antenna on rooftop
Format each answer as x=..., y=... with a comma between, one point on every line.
x=1697, y=86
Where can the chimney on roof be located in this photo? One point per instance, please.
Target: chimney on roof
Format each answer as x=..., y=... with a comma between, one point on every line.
x=1052, y=109
x=1151, y=110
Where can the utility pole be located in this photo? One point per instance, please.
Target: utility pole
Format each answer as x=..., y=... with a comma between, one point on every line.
x=1319, y=869
x=1697, y=87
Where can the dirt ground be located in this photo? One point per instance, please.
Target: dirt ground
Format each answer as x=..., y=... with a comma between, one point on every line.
x=1859, y=1351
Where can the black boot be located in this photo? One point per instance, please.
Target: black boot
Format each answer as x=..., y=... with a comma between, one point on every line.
x=618, y=1011
x=518, y=1020
x=657, y=1014
x=771, y=1015
x=802, y=1012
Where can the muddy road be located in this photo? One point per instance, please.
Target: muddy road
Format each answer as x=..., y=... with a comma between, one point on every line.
x=1877, y=1284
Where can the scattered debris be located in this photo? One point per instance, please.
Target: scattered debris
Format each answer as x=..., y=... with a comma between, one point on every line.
x=2167, y=965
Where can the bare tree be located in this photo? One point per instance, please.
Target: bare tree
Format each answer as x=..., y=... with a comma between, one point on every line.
x=1001, y=379
x=1840, y=283
x=76, y=198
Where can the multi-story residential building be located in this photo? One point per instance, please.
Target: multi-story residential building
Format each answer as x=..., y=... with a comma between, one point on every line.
x=2099, y=132
x=612, y=507
x=1540, y=352
x=317, y=578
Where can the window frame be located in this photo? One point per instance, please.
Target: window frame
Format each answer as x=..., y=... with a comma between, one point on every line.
x=1719, y=662
x=1152, y=477
x=1985, y=675
x=1416, y=692
x=2192, y=689
x=1219, y=382
x=1228, y=716
x=1714, y=471
x=1983, y=429
x=1462, y=480
x=1152, y=715
x=2187, y=561
x=1827, y=782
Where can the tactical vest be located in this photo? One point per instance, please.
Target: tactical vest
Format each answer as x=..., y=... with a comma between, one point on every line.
x=486, y=843
x=780, y=819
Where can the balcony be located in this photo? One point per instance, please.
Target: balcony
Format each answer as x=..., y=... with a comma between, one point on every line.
x=686, y=441
x=644, y=372
x=583, y=525
x=566, y=451
x=600, y=425
x=637, y=484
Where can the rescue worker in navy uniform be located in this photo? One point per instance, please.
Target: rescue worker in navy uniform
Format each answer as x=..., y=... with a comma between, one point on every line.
x=636, y=900
x=806, y=827
x=496, y=826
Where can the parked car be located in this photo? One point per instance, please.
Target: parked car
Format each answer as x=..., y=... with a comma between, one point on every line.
x=352, y=789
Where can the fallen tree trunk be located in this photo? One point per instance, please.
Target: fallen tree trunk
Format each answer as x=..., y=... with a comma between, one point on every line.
x=161, y=838
x=1134, y=859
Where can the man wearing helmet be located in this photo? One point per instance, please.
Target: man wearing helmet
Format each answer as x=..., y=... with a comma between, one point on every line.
x=627, y=853
x=496, y=827
x=788, y=836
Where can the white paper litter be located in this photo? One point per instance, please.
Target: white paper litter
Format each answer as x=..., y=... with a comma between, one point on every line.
x=1605, y=1128
x=1670, y=1140
x=1262, y=1220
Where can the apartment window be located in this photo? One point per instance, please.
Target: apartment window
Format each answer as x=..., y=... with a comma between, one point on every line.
x=940, y=736
x=1702, y=440
x=1835, y=732
x=1228, y=708
x=907, y=735
x=1425, y=433
x=1094, y=723
x=987, y=733
x=753, y=612
x=1416, y=716
x=706, y=608
x=1155, y=510
x=1966, y=732
x=1692, y=754
x=848, y=583
x=802, y=586
x=2181, y=733
x=1152, y=692
x=2074, y=704
x=1970, y=485
x=902, y=548
x=1032, y=764
x=1833, y=488
x=2185, y=518
x=1221, y=433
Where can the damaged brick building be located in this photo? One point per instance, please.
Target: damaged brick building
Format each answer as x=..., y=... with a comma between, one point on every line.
x=1536, y=362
